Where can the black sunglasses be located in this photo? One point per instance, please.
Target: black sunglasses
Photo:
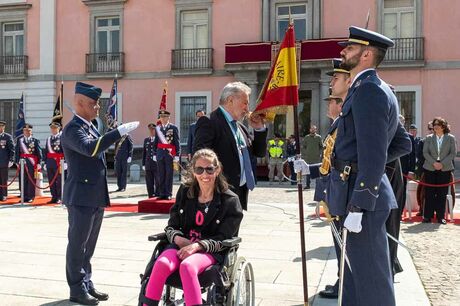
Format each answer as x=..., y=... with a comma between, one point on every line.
x=209, y=170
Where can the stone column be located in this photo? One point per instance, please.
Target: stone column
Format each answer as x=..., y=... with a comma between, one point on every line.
x=265, y=20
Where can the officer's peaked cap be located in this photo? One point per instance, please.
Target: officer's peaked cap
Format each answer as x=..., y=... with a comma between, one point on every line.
x=367, y=37
x=337, y=69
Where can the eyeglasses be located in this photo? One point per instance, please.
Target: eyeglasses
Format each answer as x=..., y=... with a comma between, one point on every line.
x=200, y=170
x=430, y=129
x=436, y=124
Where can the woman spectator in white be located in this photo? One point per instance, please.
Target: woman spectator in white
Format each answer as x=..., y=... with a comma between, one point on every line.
x=439, y=151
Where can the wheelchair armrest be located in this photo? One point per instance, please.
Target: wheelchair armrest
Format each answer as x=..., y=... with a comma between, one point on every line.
x=231, y=242
x=156, y=237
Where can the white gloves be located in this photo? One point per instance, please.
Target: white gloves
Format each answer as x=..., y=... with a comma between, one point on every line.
x=176, y=159
x=301, y=165
x=127, y=127
x=65, y=166
x=44, y=167
x=154, y=158
x=129, y=160
x=10, y=164
x=143, y=168
x=353, y=222
x=291, y=159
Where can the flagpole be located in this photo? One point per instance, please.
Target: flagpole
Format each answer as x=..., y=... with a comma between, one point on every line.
x=61, y=95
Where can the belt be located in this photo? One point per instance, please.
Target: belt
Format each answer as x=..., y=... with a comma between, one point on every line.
x=342, y=165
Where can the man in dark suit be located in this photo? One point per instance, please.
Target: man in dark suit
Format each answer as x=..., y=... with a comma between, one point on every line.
x=166, y=152
x=191, y=133
x=85, y=192
x=230, y=139
x=53, y=155
x=359, y=191
x=123, y=157
x=28, y=148
x=149, y=165
x=6, y=159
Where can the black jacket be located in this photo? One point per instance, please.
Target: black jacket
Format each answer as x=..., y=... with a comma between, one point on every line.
x=221, y=222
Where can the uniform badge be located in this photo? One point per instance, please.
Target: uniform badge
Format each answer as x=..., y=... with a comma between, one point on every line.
x=169, y=135
x=85, y=126
x=358, y=83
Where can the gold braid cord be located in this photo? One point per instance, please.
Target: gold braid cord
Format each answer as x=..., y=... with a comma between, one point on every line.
x=327, y=152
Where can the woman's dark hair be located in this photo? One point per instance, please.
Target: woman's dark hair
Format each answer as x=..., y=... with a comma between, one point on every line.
x=190, y=181
x=442, y=123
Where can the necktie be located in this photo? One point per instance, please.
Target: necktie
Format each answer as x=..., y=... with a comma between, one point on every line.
x=250, y=182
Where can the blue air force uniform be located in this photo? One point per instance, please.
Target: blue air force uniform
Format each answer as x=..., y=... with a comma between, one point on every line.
x=85, y=192
x=165, y=157
x=367, y=125
x=53, y=154
x=28, y=149
x=151, y=168
x=6, y=157
x=123, y=151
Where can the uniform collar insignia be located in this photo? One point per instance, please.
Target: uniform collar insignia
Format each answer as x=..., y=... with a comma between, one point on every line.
x=358, y=82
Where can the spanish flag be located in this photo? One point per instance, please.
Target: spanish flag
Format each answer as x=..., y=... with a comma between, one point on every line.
x=281, y=87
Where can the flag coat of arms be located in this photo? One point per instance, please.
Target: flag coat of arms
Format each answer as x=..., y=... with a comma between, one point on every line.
x=21, y=121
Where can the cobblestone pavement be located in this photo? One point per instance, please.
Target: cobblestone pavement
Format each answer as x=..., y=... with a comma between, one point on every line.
x=435, y=252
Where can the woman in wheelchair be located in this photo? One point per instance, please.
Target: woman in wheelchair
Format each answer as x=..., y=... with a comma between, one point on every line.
x=206, y=212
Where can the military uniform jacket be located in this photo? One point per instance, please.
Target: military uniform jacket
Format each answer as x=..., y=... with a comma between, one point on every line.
x=6, y=150
x=171, y=133
x=148, y=153
x=86, y=183
x=124, y=148
x=29, y=146
x=366, y=127
x=221, y=222
x=53, y=145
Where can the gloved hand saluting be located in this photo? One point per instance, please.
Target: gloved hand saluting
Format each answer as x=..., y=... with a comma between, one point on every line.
x=127, y=127
x=301, y=165
x=353, y=222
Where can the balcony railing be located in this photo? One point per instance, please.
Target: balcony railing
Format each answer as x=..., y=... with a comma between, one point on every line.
x=105, y=62
x=14, y=65
x=192, y=59
x=406, y=49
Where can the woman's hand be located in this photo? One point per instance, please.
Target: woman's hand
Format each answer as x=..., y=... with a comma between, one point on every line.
x=437, y=166
x=181, y=241
x=189, y=250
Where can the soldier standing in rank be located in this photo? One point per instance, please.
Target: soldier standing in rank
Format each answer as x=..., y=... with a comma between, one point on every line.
x=6, y=159
x=166, y=151
x=28, y=148
x=149, y=165
x=54, y=155
x=123, y=157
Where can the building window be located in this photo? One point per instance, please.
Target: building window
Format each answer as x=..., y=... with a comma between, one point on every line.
x=188, y=107
x=9, y=113
x=194, y=29
x=13, y=39
x=406, y=101
x=298, y=14
x=108, y=35
x=399, y=18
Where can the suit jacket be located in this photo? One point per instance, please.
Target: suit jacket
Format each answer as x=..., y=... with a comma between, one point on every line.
x=124, y=148
x=366, y=127
x=408, y=160
x=84, y=147
x=171, y=133
x=446, y=156
x=147, y=154
x=191, y=136
x=215, y=133
x=6, y=150
x=221, y=222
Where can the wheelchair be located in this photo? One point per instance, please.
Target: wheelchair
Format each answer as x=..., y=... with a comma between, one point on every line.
x=229, y=283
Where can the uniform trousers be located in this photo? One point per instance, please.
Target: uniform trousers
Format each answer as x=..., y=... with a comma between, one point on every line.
x=29, y=188
x=435, y=197
x=371, y=281
x=84, y=226
x=165, y=175
x=55, y=188
x=3, y=181
x=152, y=182
x=121, y=169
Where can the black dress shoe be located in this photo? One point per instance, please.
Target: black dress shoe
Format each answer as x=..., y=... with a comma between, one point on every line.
x=58, y=202
x=426, y=220
x=52, y=201
x=84, y=299
x=28, y=200
x=329, y=293
x=3, y=199
x=98, y=295
x=442, y=221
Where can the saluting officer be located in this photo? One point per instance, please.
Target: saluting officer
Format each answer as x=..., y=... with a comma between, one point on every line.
x=28, y=148
x=6, y=159
x=166, y=151
x=149, y=165
x=85, y=192
x=54, y=155
x=359, y=191
x=123, y=157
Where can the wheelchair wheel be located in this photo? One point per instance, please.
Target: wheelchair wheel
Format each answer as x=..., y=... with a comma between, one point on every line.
x=242, y=292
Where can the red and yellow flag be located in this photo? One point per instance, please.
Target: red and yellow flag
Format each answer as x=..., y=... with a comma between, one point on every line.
x=281, y=87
